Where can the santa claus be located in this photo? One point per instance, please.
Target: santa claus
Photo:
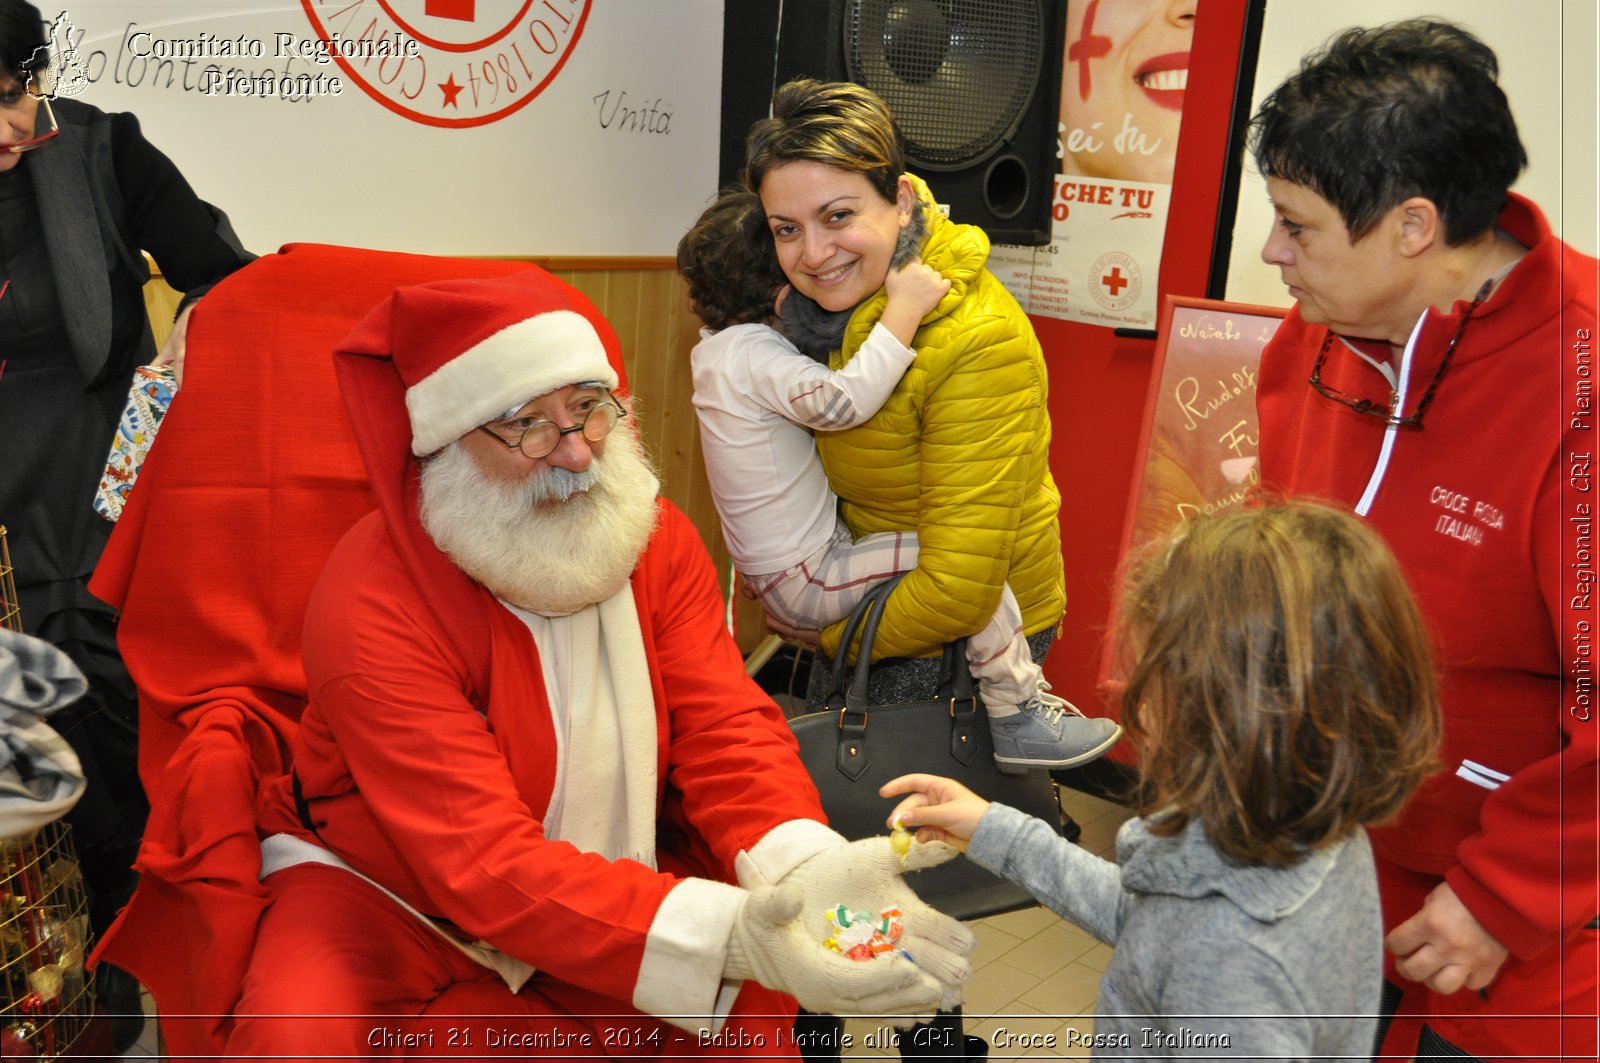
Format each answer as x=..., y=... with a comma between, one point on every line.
x=535, y=802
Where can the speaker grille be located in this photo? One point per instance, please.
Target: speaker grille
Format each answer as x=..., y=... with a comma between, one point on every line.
x=957, y=74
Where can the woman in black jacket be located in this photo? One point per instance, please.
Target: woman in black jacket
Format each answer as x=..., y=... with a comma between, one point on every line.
x=83, y=196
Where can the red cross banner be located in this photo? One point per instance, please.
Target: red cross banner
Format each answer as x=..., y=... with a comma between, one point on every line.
x=1125, y=68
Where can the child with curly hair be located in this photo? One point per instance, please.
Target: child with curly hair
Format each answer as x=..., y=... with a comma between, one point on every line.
x=1284, y=698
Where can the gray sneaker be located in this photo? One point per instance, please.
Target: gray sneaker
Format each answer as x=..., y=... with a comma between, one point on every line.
x=1049, y=732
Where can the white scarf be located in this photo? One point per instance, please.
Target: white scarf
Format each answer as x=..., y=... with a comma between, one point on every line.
x=603, y=711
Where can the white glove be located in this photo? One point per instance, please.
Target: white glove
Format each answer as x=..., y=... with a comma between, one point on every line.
x=866, y=875
x=771, y=945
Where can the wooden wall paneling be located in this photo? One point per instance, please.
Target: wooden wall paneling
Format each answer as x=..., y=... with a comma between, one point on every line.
x=680, y=435
x=683, y=329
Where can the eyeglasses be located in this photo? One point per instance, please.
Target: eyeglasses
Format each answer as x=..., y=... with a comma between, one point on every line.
x=540, y=438
x=1381, y=410
x=41, y=138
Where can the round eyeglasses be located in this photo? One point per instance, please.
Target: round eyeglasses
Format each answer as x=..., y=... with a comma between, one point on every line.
x=539, y=438
x=39, y=138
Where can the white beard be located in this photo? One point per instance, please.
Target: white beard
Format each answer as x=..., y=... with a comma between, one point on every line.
x=554, y=543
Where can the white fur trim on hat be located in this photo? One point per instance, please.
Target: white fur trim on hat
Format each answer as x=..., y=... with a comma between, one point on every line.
x=520, y=362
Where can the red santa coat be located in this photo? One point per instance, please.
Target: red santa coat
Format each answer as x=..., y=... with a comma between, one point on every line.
x=1481, y=508
x=211, y=569
x=435, y=789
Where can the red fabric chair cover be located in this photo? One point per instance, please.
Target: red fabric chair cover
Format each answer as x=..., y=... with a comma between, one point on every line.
x=254, y=477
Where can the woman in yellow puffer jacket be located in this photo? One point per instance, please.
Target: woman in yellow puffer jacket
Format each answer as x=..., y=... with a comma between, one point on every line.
x=960, y=453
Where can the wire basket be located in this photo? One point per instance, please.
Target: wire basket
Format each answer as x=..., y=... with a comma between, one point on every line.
x=46, y=999
x=10, y=614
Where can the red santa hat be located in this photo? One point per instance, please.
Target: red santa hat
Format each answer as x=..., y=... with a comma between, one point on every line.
x=468, y=350
x=515, y=338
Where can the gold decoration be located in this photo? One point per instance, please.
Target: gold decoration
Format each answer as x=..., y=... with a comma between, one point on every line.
x=10, y=614
x=44, y=935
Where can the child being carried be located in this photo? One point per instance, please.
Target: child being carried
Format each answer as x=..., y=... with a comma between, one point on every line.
x=758, y=398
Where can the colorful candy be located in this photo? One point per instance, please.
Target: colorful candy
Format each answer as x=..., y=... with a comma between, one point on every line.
x=861, y=935
x=900, y=840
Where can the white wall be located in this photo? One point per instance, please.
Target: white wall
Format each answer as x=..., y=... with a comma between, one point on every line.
x=552, y=179
x=1547, y=52
x=566, y=174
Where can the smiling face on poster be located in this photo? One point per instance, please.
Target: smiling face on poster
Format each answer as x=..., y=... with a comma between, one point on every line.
x=1123, y=78
x=1125, y=71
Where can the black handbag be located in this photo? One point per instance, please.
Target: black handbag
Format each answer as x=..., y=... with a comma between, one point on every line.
x=852, y=748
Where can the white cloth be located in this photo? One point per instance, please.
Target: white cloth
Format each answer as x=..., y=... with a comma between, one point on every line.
x=279, y=851
x=604, y=713
x=40, y=776
x=753, y=392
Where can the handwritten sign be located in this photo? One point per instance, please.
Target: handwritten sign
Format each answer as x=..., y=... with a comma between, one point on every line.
x=1198, y=449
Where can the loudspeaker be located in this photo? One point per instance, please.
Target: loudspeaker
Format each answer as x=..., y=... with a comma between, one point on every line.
x=974, y=85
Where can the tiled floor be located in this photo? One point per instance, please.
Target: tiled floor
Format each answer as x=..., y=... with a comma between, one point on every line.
x=1035, y=975
x=1034, y=982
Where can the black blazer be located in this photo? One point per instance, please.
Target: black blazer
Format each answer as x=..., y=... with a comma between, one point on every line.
x=105, y=194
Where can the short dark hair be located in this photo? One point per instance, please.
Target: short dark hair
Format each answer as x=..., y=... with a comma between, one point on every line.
x=1284, y=683
x=729, y=262
x=1379, y=115
x=837, y=123
x=23, y=39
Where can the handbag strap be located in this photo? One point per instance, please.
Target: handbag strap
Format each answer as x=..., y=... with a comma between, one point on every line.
x=955, y=682
x=856, y=697
x=955, y=688
x=871, y=600
x=955, y=674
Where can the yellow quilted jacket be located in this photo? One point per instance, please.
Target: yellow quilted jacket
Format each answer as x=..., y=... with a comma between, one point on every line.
x=960, y=454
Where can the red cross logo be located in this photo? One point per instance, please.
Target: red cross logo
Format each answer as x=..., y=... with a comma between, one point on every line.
x=461, y=10
x=1115, y=281
x=462, y=47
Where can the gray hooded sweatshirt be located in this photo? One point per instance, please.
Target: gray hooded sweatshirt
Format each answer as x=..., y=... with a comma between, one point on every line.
x=1213, y=959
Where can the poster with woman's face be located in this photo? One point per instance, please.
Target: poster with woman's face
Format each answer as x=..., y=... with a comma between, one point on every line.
x=1124, y=74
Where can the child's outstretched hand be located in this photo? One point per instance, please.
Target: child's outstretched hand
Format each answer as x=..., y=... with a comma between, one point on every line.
x=938, y=809
x=913, y=290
